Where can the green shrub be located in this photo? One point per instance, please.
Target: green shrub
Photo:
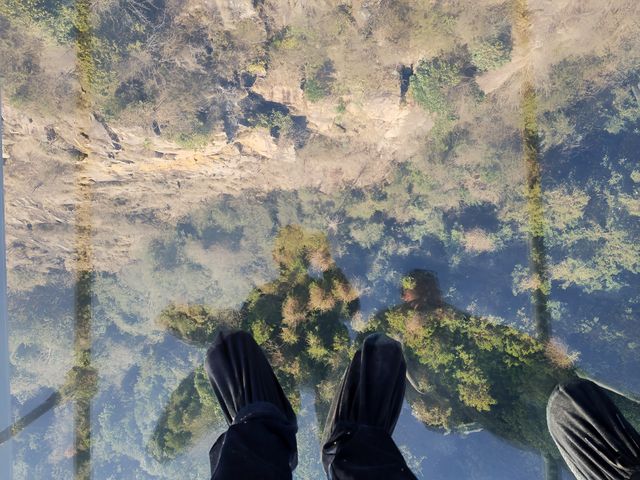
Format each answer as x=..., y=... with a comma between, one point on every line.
x=280, y=124
x=313, y=90
x=431, y=82
x=318, y=82
x=490, y=55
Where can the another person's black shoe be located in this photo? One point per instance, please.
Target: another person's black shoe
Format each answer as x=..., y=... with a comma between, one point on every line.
x=364, y=413
x=594, y=438
x=261, y=440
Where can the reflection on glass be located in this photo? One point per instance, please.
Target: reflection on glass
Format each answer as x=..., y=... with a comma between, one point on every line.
x=5, y=391
x=298, y=319
x=176, y=167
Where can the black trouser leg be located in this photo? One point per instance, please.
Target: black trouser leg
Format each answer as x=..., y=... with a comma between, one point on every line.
x=364, y=414
x=356, y=452
x=261, y=440
x=594, y=438
x=260, y=444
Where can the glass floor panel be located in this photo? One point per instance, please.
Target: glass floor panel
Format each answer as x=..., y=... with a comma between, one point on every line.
x=462, y=176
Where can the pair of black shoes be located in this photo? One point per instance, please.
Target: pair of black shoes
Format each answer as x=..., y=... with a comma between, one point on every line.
x=363, y=414
x=592, y=434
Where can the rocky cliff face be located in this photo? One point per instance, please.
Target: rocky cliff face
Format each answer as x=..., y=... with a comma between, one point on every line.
x=180, y=102
x=142, y=180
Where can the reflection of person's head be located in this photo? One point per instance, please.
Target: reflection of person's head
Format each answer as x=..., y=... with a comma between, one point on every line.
x=421, y=290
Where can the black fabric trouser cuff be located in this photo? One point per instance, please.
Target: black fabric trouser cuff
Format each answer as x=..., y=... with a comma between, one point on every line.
x=259, y=444
x=355, y=452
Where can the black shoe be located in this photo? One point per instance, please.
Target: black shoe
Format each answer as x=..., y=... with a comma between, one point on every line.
x=240, y=375
x=594, y=438
x=358, y=441
x=372, y=388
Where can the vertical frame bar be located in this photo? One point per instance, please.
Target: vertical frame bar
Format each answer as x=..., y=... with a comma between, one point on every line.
x=6, y=457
